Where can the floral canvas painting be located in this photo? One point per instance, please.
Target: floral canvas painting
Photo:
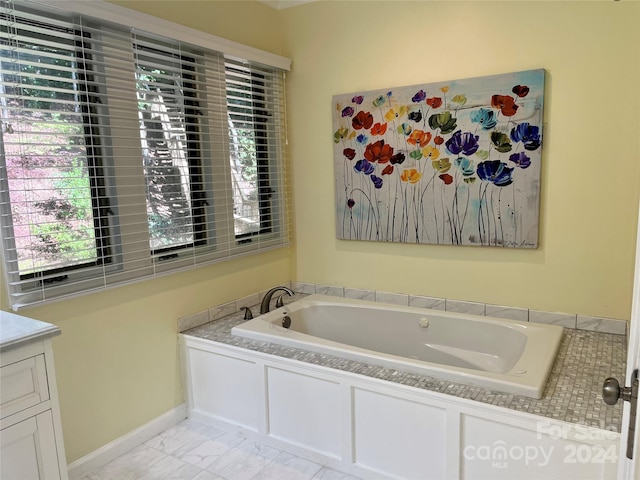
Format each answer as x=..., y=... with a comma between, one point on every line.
x=450, y=163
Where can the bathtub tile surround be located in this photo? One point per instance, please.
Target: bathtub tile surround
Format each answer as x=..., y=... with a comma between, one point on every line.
x=393, y=298
x=329, y=290
x=192, y=321
x=459, y=306
x=582, y=322
x=511, y=313
x=553, y=318
x=427, y=302
x=573, y=390
x=598, y=324
x=359, y=294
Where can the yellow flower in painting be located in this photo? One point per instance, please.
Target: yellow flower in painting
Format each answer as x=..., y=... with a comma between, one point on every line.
x=393, y=114
x=431, y=152
x=442, y=166
x=445, y=89
x=410, y=175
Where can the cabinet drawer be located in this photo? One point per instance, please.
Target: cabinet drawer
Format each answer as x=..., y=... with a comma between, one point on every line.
x=24, y=384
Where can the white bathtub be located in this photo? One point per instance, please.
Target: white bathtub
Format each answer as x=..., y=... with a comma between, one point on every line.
x=506, y=355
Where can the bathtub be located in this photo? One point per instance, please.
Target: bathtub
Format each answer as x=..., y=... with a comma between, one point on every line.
x=505, y=355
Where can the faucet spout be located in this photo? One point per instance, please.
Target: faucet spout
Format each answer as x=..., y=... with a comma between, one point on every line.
x=266, y=301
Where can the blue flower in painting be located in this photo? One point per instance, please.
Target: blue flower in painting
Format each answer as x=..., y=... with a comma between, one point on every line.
x=377, y=181
x=465, y=165
x=364, y=166
x=466, y=143
x=419, y=97
x=528, y=134
x=362, y=139
x=520, y=159
x=348, y=112
x=496, y=172
x=484, y=117
x=416, y=116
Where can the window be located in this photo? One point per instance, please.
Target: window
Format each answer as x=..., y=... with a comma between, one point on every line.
x=126, y=155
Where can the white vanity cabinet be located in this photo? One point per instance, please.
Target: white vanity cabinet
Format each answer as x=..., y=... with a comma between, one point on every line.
x=31, y=445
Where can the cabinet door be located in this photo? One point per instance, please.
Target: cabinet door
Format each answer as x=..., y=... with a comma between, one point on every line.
x=28, y=449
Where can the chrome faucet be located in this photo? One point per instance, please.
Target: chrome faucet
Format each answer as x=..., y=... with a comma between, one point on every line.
x=266, y=301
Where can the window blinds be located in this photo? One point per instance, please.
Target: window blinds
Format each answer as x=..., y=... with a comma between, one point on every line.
x=127, y=155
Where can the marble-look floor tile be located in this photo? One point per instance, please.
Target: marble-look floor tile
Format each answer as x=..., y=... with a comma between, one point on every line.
x=204, y=475
x=552, y=318
x=170, y=468
x=184, y=436
x=244, y=461
x=328, y=474
x=598, y=324
x=128, y=466
x=288, y=467
x=210, y=450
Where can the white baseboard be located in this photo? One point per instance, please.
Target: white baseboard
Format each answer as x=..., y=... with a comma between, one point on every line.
x=126, y=443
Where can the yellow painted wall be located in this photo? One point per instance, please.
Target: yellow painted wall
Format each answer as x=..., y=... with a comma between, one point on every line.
x=117, y=360
x=591, y=152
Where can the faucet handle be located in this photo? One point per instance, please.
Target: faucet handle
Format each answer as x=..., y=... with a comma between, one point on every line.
x=248, y=315
x=280, y=301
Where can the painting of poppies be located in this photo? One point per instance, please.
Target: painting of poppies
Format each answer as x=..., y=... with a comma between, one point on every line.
x=450, y=163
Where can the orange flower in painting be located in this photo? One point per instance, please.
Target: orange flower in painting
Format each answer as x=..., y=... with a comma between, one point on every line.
x=410, y=175
x=378, y=152
x=379, y=129
x=505, y=103
x=362, y=120
x=418, y=137
x=444, y=89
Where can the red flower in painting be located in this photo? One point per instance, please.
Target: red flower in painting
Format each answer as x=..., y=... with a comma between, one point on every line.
x=505, y=103
x=520, y=90
x=446, y=178
x=434, y=102
x=379, y=129
x=350, y=153
x=378, y=152
x=438, y=140
x=362, y=120
x=388, y=170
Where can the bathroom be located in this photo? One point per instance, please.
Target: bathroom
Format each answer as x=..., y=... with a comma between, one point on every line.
x=117, y=360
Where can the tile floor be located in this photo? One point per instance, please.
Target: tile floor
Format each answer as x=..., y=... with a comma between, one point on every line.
x=193, y=451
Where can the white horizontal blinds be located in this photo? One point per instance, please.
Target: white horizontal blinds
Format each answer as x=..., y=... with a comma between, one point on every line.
x=256, y=126
x=127, y=155
x=49, y=164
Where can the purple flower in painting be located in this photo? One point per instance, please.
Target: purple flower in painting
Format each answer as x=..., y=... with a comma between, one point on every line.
x=348, y=112
x=362, y=139
x=377, y=181
x=419, y=97
x=465, y=143
x=528, y=134
x=351, y=202
x=520, y=159
x=496, y=172
x=357, y=99
x=364, y=166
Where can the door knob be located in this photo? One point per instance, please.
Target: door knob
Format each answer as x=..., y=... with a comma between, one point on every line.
x=611, y=391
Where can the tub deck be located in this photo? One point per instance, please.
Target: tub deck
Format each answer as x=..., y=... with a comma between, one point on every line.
x=572, y=393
